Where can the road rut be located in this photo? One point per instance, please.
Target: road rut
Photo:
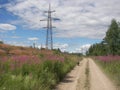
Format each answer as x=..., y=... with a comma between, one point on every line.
x=76, y=79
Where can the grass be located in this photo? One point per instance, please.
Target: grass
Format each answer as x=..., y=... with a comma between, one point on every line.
x=37, y=72
x=111, y=66
x=87, y=73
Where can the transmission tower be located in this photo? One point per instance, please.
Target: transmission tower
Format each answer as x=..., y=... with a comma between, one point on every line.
x=49, y=34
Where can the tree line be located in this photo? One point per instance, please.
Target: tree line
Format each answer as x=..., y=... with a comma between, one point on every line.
x=110, y=44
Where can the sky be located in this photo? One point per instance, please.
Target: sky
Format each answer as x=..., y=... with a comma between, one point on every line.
x=82, y=22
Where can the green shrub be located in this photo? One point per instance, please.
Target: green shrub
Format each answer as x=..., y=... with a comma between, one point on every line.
x=41, y=76
x=41, y=55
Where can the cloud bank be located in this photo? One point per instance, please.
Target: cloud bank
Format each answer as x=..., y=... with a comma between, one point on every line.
x=61, y=46
x=79, y=18
x=83, y=48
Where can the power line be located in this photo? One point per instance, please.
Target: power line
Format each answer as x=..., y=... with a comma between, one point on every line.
x=49, y=34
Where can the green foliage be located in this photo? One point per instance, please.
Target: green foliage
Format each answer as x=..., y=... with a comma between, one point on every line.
x=19, y=82
x=57, y=51
x=113, y=37
x=41, y=76
x=110, y=44
x=41, y=55
x=5, y=67
x=98, y=49
x=1, y=42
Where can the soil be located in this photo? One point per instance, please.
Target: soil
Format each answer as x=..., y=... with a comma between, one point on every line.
x=82, y=79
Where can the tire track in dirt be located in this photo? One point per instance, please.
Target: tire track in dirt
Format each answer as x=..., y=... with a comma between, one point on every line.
x=87, y=76
x=82, y=81
x=73, y=78
x=87, y=73
x=98, y=80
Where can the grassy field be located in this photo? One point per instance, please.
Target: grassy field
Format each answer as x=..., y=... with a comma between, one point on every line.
x=33, y=69
x=111, y=65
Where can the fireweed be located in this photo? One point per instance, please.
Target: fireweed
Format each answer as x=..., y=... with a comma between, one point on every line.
x=111, y=65
x=23, y=72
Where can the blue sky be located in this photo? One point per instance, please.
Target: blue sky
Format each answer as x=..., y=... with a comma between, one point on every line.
x=83, y=22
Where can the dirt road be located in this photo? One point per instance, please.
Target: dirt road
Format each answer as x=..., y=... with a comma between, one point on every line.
x=86, y=76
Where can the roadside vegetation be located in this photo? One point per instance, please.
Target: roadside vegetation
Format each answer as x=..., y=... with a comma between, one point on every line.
x=33, y=69
x=111, y=65
x=107, y=53
x=110, y=44
x=87, y=73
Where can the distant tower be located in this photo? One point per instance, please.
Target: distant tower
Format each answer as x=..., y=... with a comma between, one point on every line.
x=41, y=46
x=34, y=45
x=49, y=35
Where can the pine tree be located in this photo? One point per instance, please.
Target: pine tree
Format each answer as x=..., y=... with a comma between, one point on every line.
x=112, y=37
x=110, y=44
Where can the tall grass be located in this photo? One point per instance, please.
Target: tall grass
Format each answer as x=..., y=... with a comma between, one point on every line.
x=31, y=73
x=111, y=65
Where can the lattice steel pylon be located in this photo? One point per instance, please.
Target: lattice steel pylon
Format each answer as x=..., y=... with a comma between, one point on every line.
x=49, y=34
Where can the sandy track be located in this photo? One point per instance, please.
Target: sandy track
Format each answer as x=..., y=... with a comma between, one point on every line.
x=73, y=78
x=76, y=79
x=98, y=80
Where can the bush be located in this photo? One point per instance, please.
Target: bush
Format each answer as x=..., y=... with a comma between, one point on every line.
x=35, y=76
x=1, y=42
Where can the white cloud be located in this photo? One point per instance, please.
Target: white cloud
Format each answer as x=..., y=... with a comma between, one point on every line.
x=79, y=18
x=33, y=38
x=7, y=27
x=41, y=46
x=83, y=48
x=62, y=47
x=15, y=43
